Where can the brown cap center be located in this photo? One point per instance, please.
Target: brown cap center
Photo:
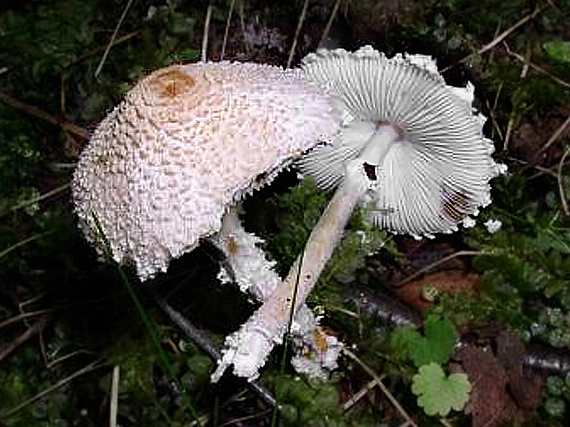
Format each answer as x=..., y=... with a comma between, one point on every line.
x=172, y=84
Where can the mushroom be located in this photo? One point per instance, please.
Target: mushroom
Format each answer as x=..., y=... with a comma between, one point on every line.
x=187, y=143
x=169, y=164
x=410, y=147
x=436, y=170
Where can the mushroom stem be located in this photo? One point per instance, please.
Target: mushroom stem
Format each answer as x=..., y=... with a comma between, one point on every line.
x=380, y=143
x=250, y=269
x=255, y=339
x=254, y=273
x=305, y=271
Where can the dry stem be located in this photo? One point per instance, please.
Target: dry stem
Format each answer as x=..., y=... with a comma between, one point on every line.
x=501, y=36
x=511, y=121
x=436, y=263
x=561, y=184
x=36, y=112
x=114, y=406
x=537, y=68
x=206, y=32
x=297, y=31
x=227, y=30
x=110, y=44
x=378, y=380
x=554, y=137
x=327, y=29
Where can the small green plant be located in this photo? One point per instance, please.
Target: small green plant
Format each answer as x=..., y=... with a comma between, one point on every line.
x=437, y=393
x=308, y=402
x=435, y=347
x=557, y=396
x=558, y=50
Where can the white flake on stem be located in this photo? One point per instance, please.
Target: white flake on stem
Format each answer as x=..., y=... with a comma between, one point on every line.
x=255, y=274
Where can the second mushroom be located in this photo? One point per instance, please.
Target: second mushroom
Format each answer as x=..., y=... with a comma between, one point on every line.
x=411, y=148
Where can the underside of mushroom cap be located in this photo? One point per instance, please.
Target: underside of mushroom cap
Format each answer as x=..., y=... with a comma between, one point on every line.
x=438, y=172
x=187, y=142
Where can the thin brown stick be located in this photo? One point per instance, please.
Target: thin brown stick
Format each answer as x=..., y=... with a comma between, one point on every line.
x=242, y=25
x=15, y=246
x=541, y=169
x=445, y=422
x=98, y=50
x=501, y=36
x=206, y=32
x=360, y=394
x=551, y=3
x=114, y=406
x=113, y=36
x=508, y=31
x=24, y=316
x=382, y=387
x=297, y=32
x=51, y=363
x=227, y=30
x=554, y=136
x=511, y=121
x=536, y=67
x=561, y=184
x=40, y=197
x=240, y=420
x=36, y=112
x=92, y=366
x=62, y=79
x=495, y=35
x=31, y=332
x=327, y=29
x=435, y=264
x=496, y=127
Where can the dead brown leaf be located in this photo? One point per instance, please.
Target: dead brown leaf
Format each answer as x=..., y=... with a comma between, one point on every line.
x=503, y=390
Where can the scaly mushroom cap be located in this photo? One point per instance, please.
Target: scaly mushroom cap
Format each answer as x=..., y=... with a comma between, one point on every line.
x=186, y=142
x=439, y=171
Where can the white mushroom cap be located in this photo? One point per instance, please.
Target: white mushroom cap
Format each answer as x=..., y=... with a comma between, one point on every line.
x=186, y=142
x=438, y=172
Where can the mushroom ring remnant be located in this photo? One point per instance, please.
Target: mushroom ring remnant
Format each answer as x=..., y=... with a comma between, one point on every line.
x=409, y=144
x=185, y=144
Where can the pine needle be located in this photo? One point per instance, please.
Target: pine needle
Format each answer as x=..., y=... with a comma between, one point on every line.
x=227, y=30
x=114, y=406
x=382, y=387
x=206, y=31
x=91, y=367
x=111, y=42
x=297, y=32
x=327, y=29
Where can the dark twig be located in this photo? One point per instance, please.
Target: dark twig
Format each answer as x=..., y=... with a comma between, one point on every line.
x=113, y=36
x=36, y=112
x=206, y=33
x=227, y=30
x=206, y=344
x=327, y=29
x=31, y=332
x=536, y=67
x=297, y=32
x=389, y=312
x=435, y=264
x=501, y=36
